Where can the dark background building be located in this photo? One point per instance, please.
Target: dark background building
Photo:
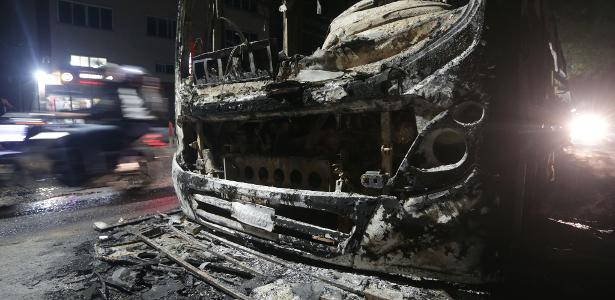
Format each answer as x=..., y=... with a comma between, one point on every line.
x=19, y=52
x=49, y=35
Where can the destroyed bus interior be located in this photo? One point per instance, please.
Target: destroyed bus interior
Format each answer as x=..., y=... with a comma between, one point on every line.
x=367, y=150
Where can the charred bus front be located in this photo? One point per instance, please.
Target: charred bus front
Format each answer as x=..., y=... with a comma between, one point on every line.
x=374, y=152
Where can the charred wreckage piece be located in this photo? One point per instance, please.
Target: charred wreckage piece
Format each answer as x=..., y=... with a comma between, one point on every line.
x=364, y=154
x=165, y=257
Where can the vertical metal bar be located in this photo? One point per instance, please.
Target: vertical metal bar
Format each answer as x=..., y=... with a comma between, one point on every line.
x=184, y=24
x=270, y=59
x=224, y=166
x=217, y=31
x=285, y=26
x=220, y=69
x=252, y=65
x=386, y=150
x=200, y=138
x=205, y=62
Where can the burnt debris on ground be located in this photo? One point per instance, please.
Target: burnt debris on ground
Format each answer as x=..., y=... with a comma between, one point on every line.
x=167, y=256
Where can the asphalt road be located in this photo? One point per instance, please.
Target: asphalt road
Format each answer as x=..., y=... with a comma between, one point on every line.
x=47, y=240
x=40, y=241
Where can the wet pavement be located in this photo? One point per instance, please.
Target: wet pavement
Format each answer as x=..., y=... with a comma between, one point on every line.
x=82, y=200
x=46, y=229
x=73, y=210
x=39, y=238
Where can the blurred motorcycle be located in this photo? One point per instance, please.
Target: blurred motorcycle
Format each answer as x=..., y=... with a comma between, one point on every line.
x=91, y=128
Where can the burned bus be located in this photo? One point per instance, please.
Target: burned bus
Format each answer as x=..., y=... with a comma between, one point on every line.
x=414, y=140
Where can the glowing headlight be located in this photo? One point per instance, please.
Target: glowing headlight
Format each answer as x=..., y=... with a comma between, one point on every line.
x=588, y=129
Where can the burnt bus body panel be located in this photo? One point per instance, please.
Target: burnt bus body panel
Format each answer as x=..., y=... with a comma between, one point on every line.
x=372, y=165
